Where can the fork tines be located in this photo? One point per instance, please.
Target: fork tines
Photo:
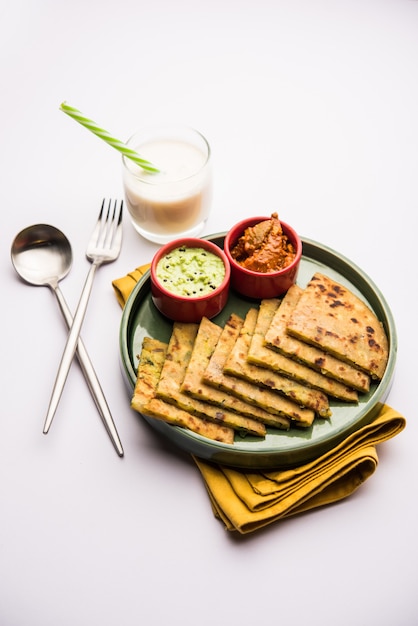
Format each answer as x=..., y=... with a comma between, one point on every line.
x=107, y=227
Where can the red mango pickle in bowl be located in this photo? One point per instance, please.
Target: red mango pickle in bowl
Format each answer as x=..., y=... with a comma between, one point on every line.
x=264, y=255
x=264, y=247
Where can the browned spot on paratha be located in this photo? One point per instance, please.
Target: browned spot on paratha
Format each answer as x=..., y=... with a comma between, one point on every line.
x=331, y=317
x=261, y=354
x=278, y=338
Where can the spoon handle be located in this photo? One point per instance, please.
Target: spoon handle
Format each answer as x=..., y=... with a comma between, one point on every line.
x=70, y=348
x=91, y=378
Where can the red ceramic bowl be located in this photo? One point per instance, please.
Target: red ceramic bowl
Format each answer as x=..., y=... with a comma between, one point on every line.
x=260, y=285
x=192, y=308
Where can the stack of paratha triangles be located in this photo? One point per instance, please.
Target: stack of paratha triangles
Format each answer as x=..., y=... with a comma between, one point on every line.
x=276, y=368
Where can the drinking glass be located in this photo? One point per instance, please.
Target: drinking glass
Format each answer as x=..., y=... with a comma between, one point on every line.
x=174, y=202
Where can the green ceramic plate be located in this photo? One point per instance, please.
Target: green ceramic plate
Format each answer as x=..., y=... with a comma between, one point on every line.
x=279, y=448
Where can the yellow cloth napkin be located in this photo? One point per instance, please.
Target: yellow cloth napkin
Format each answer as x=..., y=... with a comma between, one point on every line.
x=248, y=500
x=123, y=286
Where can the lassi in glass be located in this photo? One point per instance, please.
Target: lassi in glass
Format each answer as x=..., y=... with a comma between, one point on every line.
x=175, y=201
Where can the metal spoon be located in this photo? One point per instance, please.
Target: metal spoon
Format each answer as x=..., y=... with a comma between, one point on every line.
x=42, y=256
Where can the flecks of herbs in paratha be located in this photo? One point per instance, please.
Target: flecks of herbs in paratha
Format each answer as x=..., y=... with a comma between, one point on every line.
x=144, y=401
x=238, y=365
x=179, y=351
x=265, y=398
x=194, y=385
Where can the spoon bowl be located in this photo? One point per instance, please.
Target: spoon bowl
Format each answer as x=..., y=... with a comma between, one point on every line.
x=41, y=255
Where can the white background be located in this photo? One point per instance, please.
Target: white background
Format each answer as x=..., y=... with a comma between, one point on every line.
x=311, y=109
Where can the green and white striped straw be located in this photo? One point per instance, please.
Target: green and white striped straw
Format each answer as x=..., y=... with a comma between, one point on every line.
x=112, y=141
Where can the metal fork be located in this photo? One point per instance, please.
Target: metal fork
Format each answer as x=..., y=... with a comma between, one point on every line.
x=104, y=247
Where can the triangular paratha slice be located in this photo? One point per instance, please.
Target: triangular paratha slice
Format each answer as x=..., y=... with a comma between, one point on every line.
x=261, y=354
x=150, y=364
x=265, y=398
x=238, y=365
x=279, y=339
x=206, y=339
x=331, y=317
x=180, y=347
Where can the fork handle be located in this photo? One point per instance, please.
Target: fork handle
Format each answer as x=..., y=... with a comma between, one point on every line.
x=70, y=347
x=91, y=378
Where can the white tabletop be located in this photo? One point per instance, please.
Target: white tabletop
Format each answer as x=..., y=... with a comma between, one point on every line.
x=310, y=108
